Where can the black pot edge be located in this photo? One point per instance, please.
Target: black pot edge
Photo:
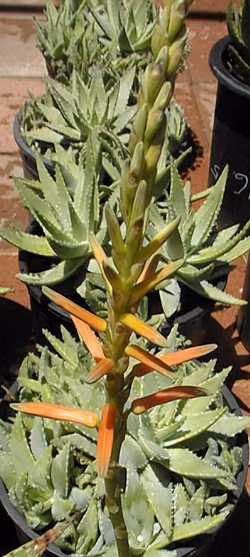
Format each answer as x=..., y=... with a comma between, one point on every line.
x=21, y=524
x=222, y=73
x=23, y=146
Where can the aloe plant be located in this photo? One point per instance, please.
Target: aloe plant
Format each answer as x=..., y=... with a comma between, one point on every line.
x=178, y=449
x=67, y=209
x=69, y=114
x=136, y=444
x=66, y=39
x=238, y=21
x=207, y=252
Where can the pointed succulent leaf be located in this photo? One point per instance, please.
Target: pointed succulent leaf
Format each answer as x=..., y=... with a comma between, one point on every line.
x=180, y=504
x=186, y=463
x=60, y=472
x=230, y=425
x=158, y=489
x=194, y=425
x=206, y=216
x=53, y=276
x=28, y=242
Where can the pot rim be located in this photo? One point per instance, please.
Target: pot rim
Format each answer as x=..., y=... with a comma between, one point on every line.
x=220, y=71
x=21, y=524
x=22, y=143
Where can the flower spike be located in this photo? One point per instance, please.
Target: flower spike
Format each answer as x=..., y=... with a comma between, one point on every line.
x=102, y=368
x=142, y=288
x=176, y=358
x=89, y=338
x=105, y=439
x=95, y=322
x=58, y=412
x=149, y=360
x=141, y=328
x=143, y=404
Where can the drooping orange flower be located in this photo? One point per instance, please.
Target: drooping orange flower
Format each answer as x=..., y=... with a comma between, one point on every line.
x=95, y=322
x=106, y=439
x=141, y=328
x=58, y=412
x=149, y=360
x=102, y=368
x=176, y=358
x=145, y=403
x=89, y=338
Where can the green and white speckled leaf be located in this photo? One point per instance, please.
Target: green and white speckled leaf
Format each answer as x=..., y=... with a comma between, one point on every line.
x=189, y=530
x=7, y=468
x=231, y=425
x=68, y=353
x=138, y=514
x=177, y=193
x=194, y=425
x=28, y=242
x=240, y=249
x=132, y=453
x=207, y=290
x=88, y=529
x=180, y=502
x=206, y=216
x=19, y=447
x=186, y=463
x=60, y=472
x=196, y=504
x=39, y=473
x=213, y=384
x=53, y=276
x=37, y=438
x=61, y=508
x=159, y=553
x=200, y=404
x=158, y=489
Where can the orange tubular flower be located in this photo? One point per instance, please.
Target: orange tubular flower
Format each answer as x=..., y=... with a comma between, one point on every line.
x=141, y=328
x=101, y=369
x=106, y=439
x=147, y=359
x=95, y=322
x=176, y=358
x=89, y=338
x=58, y=412
x=143, y=404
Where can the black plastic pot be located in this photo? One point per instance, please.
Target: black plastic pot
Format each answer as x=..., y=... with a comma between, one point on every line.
x=193, y=317
x=243, y=320
x=27, y=154
x=46, y=314
x=231, y=138
x=202, y=546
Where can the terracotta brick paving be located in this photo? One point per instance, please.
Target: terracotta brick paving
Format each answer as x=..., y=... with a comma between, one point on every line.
x=21, y=71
